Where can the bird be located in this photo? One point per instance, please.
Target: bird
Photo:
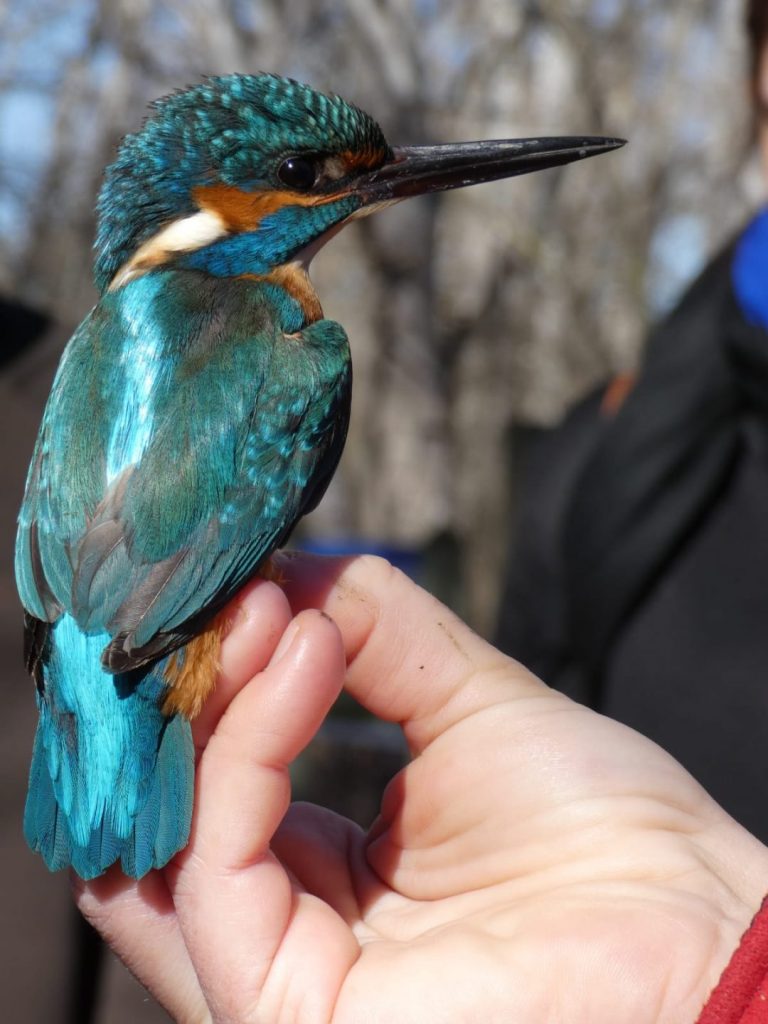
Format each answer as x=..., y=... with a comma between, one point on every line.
x=198, y=412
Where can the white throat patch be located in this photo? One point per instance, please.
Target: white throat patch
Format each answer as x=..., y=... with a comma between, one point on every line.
x=185, y=235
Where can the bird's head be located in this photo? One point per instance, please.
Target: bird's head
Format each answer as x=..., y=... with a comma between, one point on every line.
x=244, y=174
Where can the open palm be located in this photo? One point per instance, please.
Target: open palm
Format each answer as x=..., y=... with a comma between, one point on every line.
x=534, y=862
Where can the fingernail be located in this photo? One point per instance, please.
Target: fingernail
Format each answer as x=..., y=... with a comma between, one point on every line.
x=248, y=605
x=286, y=641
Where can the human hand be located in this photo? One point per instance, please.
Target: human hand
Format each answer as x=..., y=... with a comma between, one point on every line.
x=534, y=862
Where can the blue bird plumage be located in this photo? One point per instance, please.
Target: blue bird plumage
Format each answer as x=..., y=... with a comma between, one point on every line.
x=198, y=412
x=112, y=777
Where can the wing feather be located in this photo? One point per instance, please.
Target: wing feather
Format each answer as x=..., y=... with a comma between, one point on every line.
x=144, y=525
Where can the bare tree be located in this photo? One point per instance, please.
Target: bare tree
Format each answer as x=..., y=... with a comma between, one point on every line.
x=466, y=313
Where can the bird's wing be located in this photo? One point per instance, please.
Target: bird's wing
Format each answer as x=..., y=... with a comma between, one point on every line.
x=156, y=492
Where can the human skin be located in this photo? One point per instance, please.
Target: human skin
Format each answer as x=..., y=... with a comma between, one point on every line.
x=534, y=862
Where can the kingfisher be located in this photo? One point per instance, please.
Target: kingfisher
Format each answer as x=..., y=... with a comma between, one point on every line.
x=198, y=412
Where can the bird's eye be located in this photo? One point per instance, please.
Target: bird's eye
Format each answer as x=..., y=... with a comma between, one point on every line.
x=298, y=172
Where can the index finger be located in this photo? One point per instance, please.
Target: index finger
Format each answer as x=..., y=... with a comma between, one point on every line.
x=409, y=658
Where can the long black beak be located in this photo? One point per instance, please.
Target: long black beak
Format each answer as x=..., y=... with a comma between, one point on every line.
x=414, y=170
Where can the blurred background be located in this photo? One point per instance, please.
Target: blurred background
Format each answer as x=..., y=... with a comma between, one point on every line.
x=474, y=318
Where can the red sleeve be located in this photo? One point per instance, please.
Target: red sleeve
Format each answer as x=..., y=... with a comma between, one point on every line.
x=741, y=995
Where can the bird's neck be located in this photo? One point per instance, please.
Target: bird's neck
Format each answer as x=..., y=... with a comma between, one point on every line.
x=287, y=289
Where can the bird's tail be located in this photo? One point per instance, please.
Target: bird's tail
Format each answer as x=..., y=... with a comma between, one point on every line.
x=112, y=777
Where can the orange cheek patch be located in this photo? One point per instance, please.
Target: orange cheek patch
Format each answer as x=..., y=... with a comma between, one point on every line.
x=244, y=211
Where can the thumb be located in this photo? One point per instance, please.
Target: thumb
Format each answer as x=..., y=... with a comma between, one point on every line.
x=409, y=658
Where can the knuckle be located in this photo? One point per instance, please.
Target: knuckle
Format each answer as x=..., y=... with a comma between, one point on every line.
x=379, y=573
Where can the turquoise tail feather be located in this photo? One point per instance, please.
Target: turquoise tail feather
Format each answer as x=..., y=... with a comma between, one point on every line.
x=112, y=778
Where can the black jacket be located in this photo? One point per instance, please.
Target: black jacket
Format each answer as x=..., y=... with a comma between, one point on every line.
x=638, y=581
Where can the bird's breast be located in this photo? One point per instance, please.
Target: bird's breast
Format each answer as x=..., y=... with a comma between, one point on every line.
x=294, y=280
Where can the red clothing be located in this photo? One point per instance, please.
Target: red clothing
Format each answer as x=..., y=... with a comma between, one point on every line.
x=741, y=995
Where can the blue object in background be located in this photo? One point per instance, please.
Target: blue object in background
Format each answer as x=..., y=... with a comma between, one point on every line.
x=409, y=560
x=750, y=270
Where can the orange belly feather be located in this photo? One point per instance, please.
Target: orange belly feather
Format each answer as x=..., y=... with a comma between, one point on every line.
x=191, y=674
